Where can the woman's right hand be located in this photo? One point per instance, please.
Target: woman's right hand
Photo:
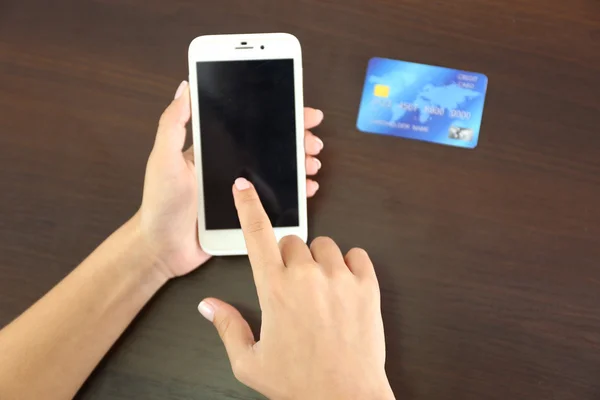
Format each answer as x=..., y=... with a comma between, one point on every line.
x=322, y=332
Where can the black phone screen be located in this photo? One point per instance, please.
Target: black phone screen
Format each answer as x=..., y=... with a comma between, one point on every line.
x=248, y=129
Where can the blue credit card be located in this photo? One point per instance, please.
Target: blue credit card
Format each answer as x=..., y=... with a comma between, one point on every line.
x=422, y=102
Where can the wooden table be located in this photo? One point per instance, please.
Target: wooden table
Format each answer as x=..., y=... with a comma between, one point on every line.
x=489, y=259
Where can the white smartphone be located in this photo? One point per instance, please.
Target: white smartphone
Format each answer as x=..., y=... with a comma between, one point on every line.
x=247, y=121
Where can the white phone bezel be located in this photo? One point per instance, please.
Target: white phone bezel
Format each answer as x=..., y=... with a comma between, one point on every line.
x=264, y=46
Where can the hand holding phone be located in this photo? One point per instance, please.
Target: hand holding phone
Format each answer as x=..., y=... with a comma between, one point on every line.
x=322, y=332
x=168, y=214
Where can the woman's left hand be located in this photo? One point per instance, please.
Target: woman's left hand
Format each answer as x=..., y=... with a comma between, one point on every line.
x=168, y=216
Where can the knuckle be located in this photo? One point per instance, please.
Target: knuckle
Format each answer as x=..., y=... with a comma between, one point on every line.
x=289, y=242
x=239, y=369
x=164, y=119
x=312, y=275
x=222, y=326
x=322, y=242
x=289, y=239
x=360, y=261
x=371, y=286
x=357, y=252
x=256, y=226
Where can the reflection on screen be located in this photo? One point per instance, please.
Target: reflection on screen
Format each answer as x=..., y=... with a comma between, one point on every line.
x=248, y=129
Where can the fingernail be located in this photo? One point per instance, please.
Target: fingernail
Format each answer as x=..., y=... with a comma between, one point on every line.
x=316, y=185
x=320, y=114
x=180, y=89
x=320, y=142
x=242, y=184
x=207, y=310
x=318, y=163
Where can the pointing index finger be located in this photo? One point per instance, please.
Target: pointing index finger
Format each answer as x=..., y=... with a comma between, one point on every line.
x=263, y=250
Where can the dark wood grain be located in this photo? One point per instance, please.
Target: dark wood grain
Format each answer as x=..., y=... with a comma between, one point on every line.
x=489, y=259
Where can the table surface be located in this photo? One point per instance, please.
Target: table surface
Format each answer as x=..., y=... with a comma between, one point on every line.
x=488, y=259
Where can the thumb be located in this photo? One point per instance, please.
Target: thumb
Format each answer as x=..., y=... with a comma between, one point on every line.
x=232, y=327
x=171, y=127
